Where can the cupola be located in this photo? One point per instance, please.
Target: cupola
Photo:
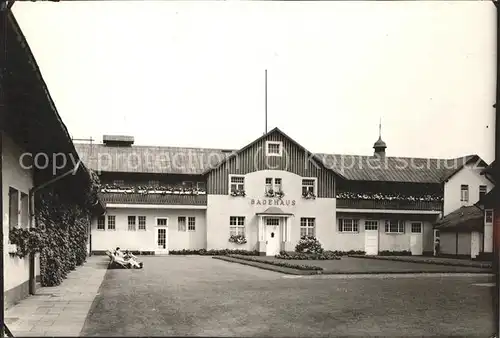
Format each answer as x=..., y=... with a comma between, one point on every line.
x=380, y=145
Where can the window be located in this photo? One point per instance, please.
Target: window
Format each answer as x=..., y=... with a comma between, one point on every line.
x=101, y=223
x=273, y=148
x=416, y=228
x=348, y=225
x=237, y=183
x=307, y=227
x=201, y=185
x=191, y=223
x=131, y=223
x=269, y=184
x=13, y=207
x=142, y=222
x=119, y=182
x=395, y=226
x=308, y=186
x=272, y=221
x=371, y=225
x=488, y=216
x=24, y=210
x=154, y=183
x=482, y=191
x=161, y=222
x=236, y=225
x=277, y=184
x=111, y=222
x=181, y=223
x=464, y=193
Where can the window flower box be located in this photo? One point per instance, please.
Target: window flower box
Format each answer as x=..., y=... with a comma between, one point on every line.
x=308, y=195
x=272, y=193
x=237, y=239
x=388, y=197
x=238, y=193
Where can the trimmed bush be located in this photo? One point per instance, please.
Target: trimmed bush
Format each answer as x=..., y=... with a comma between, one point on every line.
x=223, y=252
x=326, y=255
x=309, y=245
x=350, y=252
x=394, y=253
x=276, y=263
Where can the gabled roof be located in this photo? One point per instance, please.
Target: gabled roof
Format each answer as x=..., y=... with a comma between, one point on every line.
x=150, y=159
x=467, y=218
x=396, y=169
x=314, y=158
x=274, y=211
x=199, y=161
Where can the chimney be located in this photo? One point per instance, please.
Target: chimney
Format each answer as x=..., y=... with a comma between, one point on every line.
x=117, y=140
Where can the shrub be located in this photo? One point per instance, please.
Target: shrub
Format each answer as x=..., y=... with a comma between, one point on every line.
x=326, y=255
x=309, y=245
x=276, y=263
x=394, y=253
x=223, y=252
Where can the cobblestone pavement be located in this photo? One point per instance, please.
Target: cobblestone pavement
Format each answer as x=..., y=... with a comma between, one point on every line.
x=60, y=310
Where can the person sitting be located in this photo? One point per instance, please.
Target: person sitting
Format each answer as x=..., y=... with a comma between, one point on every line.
x=132, y=260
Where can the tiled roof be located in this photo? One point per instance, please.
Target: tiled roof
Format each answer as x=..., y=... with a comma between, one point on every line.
x=170, y=199
x=394, y=169
x=155, y=160
x=197, y=161
x=464, y=218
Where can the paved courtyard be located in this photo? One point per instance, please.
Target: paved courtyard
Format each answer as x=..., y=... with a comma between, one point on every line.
x=207, y=297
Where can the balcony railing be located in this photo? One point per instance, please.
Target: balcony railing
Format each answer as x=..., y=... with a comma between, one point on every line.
x=389, y=204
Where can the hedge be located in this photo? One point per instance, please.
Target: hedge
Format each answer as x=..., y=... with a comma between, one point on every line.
x=394, y=253
x=326, y=255
x=222, y=252
x=276, y=263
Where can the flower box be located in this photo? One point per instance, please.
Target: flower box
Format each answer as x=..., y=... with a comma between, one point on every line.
x=238, y=239
x=308, y=195
x=238, y=193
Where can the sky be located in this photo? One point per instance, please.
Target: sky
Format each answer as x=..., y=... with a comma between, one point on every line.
x=191, y=73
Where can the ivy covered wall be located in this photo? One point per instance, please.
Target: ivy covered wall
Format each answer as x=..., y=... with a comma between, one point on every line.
x=60, y=235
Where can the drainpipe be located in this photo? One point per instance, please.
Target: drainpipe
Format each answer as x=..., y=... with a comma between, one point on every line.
x=31, y=207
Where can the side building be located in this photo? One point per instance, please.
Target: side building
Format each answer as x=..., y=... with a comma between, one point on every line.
x=268, y=194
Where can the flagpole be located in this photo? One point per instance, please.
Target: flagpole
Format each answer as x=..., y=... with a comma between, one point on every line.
x=265, y=117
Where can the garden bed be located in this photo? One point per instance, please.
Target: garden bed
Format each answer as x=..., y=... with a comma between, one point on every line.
x=223, y=252
x=431, y=260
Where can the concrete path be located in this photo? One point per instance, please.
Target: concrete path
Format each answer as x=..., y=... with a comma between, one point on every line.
x=60, y=310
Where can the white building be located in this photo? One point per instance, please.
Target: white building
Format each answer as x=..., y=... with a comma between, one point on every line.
x=171, y=198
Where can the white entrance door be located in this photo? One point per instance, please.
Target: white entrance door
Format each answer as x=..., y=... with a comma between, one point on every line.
x=272, y=236
x=371, y=237
x=416, y=245
x=161, y=236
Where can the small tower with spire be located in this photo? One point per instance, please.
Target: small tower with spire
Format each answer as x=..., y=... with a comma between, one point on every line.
x=380, y=145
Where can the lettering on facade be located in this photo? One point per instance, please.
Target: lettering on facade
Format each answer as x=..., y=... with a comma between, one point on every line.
x=270, y=201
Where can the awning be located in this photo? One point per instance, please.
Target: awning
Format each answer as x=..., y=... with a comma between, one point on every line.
x=274, y=211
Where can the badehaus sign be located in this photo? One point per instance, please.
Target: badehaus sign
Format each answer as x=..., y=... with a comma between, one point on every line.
x=270, y=201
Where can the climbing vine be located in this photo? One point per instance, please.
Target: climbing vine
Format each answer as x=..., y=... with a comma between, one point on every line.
x=61, y=233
